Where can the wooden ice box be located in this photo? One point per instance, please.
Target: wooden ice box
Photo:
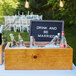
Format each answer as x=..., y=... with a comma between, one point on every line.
x=38, y=59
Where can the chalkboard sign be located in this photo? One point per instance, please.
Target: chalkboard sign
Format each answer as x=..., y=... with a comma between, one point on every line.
x=45, y=30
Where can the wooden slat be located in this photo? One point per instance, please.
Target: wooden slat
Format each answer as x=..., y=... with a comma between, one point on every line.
x=1, y=51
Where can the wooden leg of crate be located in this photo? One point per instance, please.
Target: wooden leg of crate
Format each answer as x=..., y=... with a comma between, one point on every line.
x=0, y=54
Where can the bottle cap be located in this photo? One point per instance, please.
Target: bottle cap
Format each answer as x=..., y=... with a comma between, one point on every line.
x=63, y=33
x=58, y=34
x=34, y=39
x=62, y=46
x=19, y=35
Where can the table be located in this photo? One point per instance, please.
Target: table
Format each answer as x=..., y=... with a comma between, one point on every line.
x=4, y=72
x=37, y=72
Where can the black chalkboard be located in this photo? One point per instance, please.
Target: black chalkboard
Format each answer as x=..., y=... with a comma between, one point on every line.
x=45, y=30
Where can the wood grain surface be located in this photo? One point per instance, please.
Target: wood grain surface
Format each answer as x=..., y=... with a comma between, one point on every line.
x=38, y=59
x=1, y=53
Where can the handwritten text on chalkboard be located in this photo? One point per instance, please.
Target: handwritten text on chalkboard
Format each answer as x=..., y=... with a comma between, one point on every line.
x=45, y=30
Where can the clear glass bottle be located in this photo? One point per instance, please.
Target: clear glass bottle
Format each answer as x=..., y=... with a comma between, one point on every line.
x=54, y=40
x=58, y=39
x=32, y=42
x=20, y=40
x=13, y=41
x=63, y=42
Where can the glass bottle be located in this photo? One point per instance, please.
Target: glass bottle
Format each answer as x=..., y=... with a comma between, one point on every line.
x=20, y=40
x=13, y=41
x=34, y=43
x=54, y=40
x=31, y=41
x=63, y=42
x=58, y=39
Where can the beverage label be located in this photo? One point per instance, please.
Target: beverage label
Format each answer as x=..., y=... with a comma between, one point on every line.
x=62, y=46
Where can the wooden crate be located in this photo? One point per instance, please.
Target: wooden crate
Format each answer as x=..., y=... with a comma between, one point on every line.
x=38, y=59
x=1, y=54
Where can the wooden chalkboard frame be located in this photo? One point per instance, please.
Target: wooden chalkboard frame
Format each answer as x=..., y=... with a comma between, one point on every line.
x=60, y=21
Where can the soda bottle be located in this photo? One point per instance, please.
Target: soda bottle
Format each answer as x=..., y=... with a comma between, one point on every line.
x=63, y=43
x=20, y=40
x=34, y=42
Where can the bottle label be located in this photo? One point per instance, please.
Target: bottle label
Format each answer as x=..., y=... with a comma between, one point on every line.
x=62, y=46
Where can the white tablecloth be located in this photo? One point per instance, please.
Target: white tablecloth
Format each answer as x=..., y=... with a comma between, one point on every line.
x=4, y=72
